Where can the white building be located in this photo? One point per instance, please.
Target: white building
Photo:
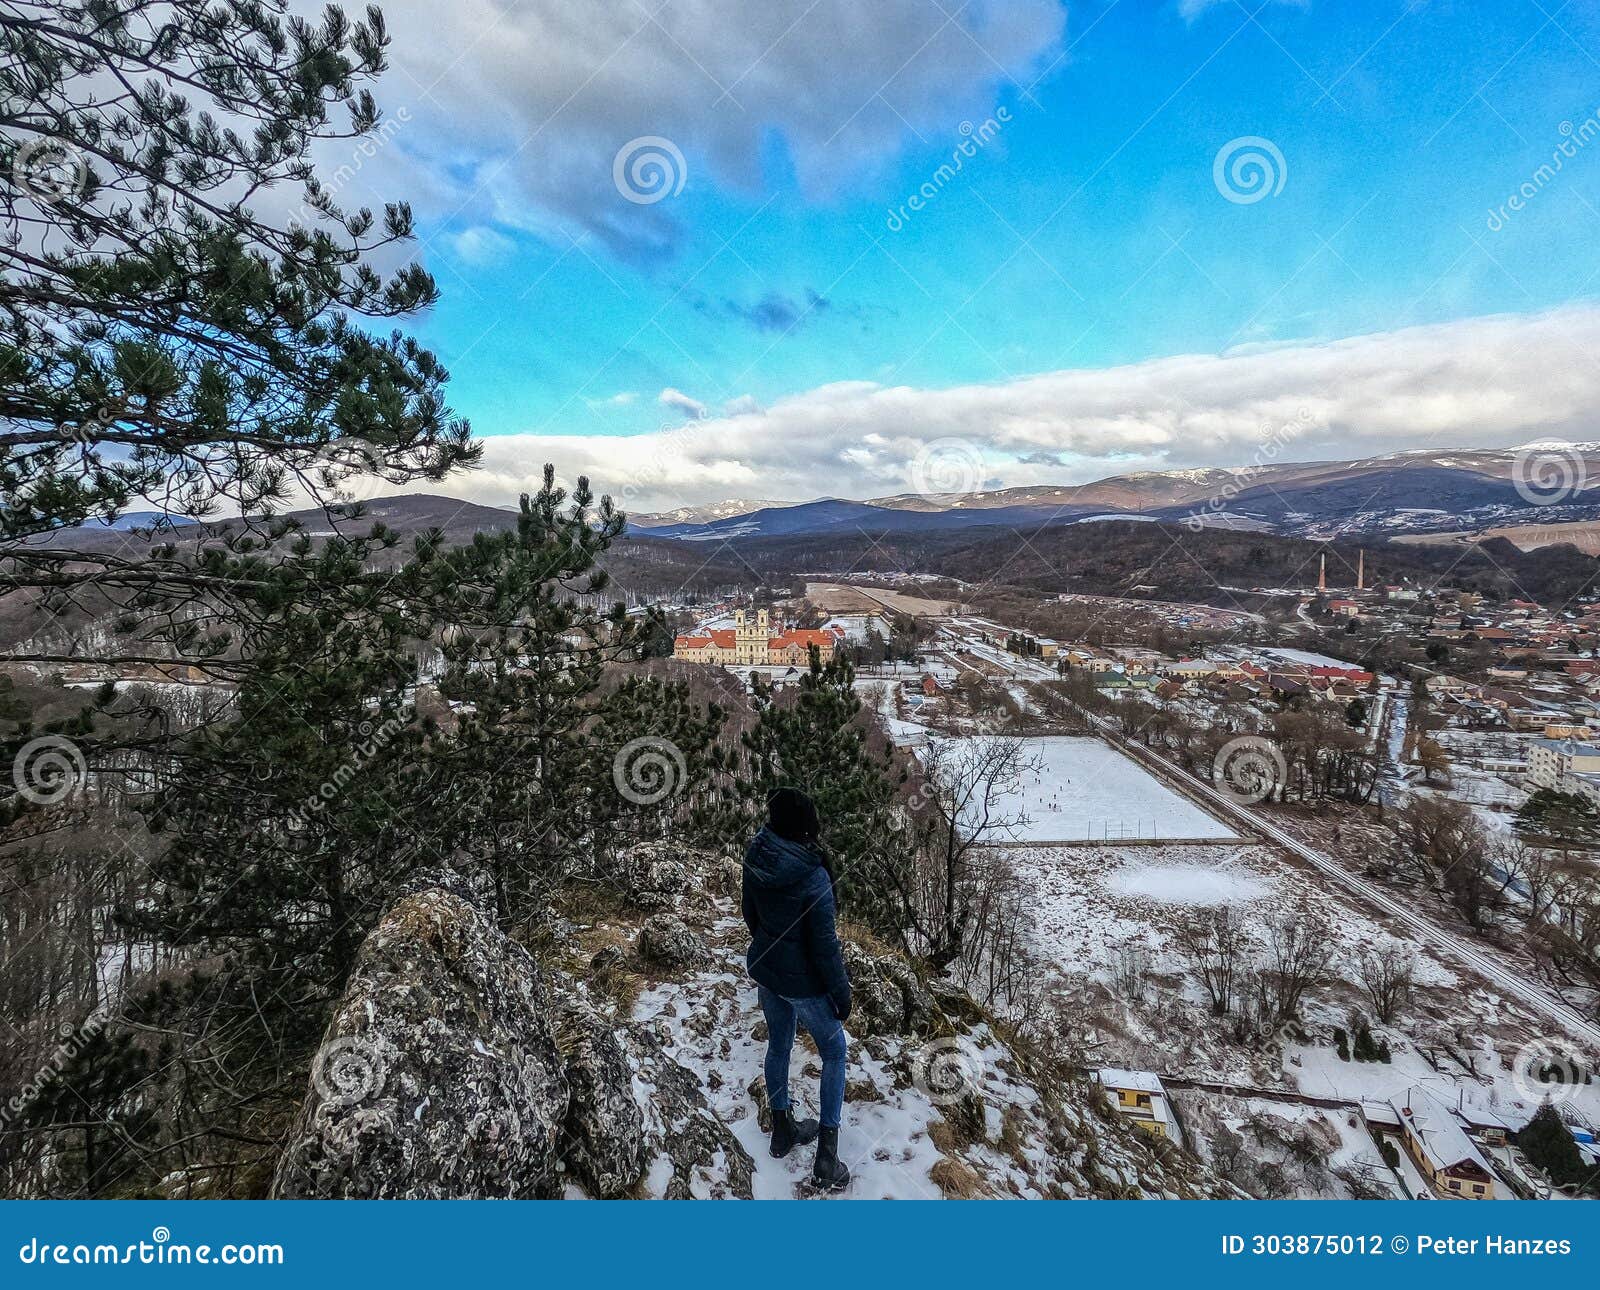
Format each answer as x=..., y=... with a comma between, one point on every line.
x=1550, y=761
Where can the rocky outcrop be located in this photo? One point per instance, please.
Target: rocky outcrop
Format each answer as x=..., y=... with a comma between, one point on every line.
x=454, y=1066
x=890, y=996
x=665, y=942
x=603, y=1133
x=439, y=1074
x=705, y=1160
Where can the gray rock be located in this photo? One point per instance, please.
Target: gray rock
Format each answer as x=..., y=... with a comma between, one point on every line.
x=890, y=996
x=608, y=958
x=603, y=1138
x=665, y=942
x=707, y=1160
x=438, y=1076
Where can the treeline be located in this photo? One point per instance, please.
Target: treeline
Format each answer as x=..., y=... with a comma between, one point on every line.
x=1217, y=566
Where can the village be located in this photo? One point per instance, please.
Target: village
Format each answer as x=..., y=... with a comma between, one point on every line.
x=1125, y=837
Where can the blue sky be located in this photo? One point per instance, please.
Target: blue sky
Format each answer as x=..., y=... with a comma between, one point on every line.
x=1087, y=234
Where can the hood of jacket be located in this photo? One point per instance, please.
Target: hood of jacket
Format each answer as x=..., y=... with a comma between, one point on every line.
x=774, y=862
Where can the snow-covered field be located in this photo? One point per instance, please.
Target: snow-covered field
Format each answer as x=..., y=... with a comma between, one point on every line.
x=1082, y=789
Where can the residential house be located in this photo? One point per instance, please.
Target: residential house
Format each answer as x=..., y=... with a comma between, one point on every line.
x=1139, y=1095
x=1439, y=1144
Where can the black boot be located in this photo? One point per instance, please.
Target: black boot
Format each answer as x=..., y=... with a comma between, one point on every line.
x=788, y=1132
x=829, y=1173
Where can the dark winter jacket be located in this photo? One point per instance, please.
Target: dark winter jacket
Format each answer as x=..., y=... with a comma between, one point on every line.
x=789, y=907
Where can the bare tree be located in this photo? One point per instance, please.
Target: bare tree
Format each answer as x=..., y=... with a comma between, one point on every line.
x=1214, y=945
x=968, y=799
x=1386, y=976
x=1295, y=960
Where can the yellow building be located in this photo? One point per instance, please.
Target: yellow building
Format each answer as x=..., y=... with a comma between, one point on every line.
x=1140, y=1096
x=1439, y=1144
x=751, y=642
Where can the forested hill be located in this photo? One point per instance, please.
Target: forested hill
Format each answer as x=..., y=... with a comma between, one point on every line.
x=1180, y=563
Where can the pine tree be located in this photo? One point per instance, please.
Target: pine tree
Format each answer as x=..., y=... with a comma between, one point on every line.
x=165, y=344
x=1548, y=1143
x=812, y=738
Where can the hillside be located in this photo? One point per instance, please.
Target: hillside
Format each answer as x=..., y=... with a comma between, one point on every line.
x=626, y=1061
x=1179, y=563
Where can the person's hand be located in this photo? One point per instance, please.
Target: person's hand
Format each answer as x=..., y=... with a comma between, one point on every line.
x=842, y=1011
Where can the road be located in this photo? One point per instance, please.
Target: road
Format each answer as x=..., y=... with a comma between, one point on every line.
x=1520, y=987
x=1508, y=980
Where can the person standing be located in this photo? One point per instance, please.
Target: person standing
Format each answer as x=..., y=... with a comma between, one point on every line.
x=798, y=966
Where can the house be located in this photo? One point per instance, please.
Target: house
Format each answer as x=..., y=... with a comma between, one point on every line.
x=1566, y=731
x=1139, y=1095
x=1344, y=608
x=1439, y=1144
x=1191, y=669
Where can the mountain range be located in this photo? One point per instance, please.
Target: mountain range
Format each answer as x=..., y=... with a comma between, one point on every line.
x=1406, y=492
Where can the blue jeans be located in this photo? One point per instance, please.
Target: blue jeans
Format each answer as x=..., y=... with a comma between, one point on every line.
x=816, y=1015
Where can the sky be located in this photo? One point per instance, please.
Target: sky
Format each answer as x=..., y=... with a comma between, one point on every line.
x=700, y=249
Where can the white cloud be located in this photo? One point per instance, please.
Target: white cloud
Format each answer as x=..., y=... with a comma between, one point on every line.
x=525, y=105
x=480, y=245
x=1483, y=382
x=678, y=401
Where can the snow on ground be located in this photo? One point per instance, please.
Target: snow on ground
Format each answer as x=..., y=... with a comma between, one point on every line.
x=1082, y=789
x=1091, y=905
x=1304, y=657
x=884, y=1143
x=1173, y=884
